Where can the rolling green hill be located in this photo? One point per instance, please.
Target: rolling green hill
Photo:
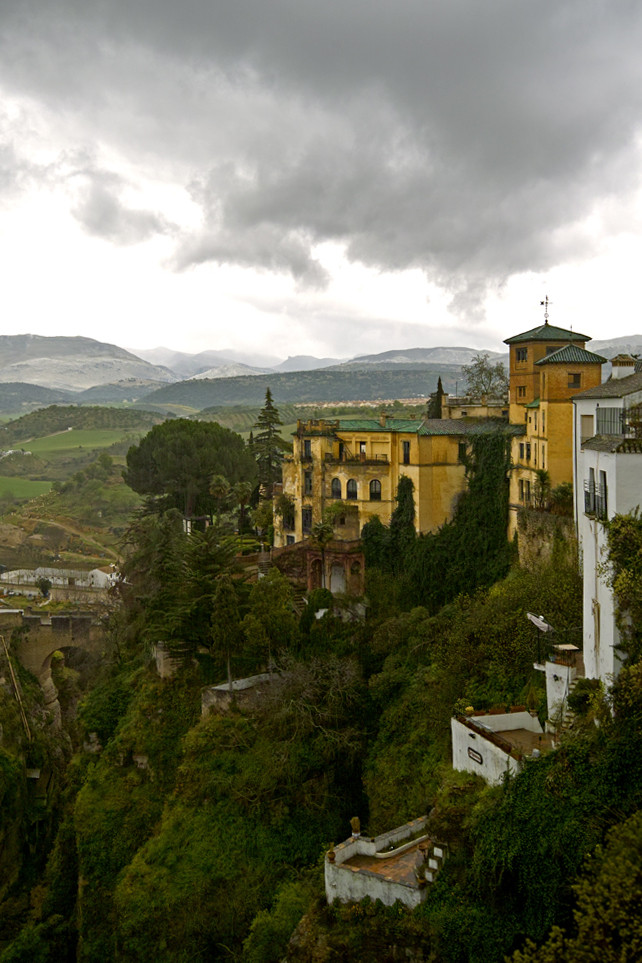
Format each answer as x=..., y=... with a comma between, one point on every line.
x=415, y=381
x=57, y=418
x=17, y=397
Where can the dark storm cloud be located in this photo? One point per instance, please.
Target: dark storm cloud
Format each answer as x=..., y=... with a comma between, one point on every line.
x=468, y=139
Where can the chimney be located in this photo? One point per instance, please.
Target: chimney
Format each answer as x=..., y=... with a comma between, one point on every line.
x=622, y=366
x=382, y=418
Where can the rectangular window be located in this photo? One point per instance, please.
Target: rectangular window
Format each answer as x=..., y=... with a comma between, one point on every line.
x=528, y=451
x=551, y=349
x=307, y=482
x=574, y=380
x=406, y=452
x=543, y=457
x=527, y=491
x=521, y=354
x=521, y=489
x=521, y=391
x=307, y=448
x=610, y=421
x=521, y=451
x=586, y=427
x=289, y=539
x=306, y=520
x=341, y=451
x=535, y=421
x=461, y=454
x=362, y=447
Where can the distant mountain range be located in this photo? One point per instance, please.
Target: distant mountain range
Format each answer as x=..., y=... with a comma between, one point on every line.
x=406, y=356
x=37, y=370
x=71, y=364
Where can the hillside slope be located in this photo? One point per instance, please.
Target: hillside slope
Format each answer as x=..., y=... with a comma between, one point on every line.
x=70, y=363
x=328, y=384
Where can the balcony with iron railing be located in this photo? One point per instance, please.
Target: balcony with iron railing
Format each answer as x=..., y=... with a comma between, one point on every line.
x=625, y=422
x=595, y=500
x=359, y=459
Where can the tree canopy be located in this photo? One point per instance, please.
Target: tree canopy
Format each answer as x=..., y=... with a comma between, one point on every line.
x=485, y=378
x=175, y=462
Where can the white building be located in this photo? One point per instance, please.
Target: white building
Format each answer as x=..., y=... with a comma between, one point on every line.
x=27, y=578
x=493, y=745
x=607, y=477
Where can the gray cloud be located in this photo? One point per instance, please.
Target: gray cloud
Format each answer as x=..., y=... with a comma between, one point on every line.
x=101, y=211
x=470, y=140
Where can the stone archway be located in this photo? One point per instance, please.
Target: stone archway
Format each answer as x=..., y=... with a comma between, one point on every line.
x=316, y=573
x=41, y=637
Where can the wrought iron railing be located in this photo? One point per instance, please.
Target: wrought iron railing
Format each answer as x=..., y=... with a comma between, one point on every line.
x=596, y=500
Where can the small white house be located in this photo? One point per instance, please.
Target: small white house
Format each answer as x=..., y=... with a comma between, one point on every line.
x=396, y=866
x=492, y=745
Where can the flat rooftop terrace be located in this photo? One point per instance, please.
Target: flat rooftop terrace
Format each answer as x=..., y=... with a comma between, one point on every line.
x=396, y=868
x=525, y=741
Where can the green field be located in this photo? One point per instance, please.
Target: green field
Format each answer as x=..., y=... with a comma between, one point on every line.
x=22, y=487
x=77, y=438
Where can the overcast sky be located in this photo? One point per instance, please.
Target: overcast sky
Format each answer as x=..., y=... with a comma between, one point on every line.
x=330, y=178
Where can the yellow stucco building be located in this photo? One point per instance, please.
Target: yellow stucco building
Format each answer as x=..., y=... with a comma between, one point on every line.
x=358, y=462
x=548, y=366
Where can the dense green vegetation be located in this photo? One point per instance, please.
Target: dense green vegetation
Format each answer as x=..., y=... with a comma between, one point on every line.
x=469, y=551
x=175, y=462
x=59, y=418
x=189, y=838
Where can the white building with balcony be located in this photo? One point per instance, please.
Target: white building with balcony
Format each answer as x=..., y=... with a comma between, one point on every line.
x=607, y=435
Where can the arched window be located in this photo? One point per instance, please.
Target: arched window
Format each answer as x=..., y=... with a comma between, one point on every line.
x=351, y=489
x=375, y=490
x=335, y=488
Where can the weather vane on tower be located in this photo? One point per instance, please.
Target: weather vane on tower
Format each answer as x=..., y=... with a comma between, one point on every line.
x=545, y=303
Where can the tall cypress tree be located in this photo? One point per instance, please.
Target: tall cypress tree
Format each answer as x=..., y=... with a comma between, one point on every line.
x=267, y=446
x=402, y=524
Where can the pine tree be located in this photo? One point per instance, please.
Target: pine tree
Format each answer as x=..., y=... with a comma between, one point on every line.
x=266, y=446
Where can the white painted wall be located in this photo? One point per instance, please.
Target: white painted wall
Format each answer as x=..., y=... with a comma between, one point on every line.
x=473, y=753
x=558, y=682
x=624, y=493
x=346, y=885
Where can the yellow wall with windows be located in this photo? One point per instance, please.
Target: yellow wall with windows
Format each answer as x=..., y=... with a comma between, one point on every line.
x=323, y=452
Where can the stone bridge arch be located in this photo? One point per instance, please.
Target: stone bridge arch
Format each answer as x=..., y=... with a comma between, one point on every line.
x=40, y=636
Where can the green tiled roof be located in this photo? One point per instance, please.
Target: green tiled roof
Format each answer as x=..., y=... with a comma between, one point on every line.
x=572, y=354
x=431, y=426
x=459, y=426
x=533, y=404
x=547, y=332
x=410, y=425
